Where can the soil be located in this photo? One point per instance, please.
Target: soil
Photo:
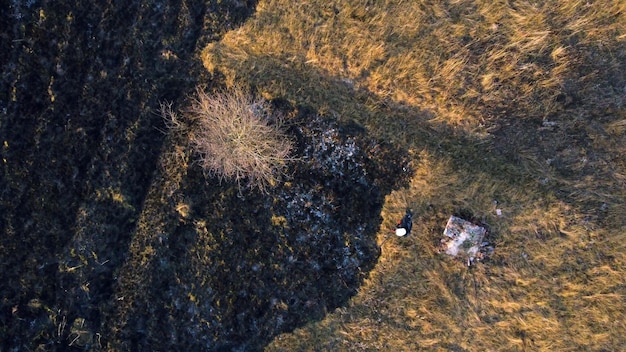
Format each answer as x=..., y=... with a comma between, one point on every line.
x=112, y=238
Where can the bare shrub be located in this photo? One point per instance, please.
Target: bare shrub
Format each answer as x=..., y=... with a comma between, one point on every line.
x=237, y=138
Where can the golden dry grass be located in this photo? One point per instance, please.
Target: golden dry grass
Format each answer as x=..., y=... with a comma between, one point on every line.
x=515, y=105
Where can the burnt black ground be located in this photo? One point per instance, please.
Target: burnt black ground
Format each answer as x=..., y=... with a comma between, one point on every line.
x=108, y=242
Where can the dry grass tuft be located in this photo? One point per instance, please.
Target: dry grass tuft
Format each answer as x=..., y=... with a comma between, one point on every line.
x=237, y=138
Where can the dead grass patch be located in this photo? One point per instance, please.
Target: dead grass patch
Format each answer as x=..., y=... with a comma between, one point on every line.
x=236, y=137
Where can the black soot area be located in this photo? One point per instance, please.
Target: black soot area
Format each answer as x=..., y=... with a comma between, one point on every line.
x=81, y=83
x=251, y=265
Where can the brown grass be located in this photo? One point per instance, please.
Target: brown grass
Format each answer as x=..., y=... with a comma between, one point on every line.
x=236, y=137
x=514, y=105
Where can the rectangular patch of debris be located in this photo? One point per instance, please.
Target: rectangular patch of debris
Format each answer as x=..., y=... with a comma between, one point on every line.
x=465, y=240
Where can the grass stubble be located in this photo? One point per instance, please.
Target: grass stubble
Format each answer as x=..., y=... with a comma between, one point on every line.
x=517, y=106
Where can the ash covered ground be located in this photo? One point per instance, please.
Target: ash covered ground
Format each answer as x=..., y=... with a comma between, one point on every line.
x=114, y=239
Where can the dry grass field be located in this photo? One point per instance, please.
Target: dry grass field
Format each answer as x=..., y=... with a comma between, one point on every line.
x=510, y=105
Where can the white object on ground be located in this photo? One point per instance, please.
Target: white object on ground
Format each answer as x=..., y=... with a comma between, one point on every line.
x=400, y=231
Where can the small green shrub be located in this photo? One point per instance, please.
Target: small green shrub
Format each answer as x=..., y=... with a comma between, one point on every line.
x=237, y=138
